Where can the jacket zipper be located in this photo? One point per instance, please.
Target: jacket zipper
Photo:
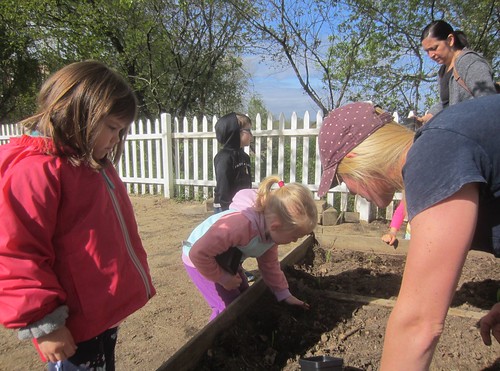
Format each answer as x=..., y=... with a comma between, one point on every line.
x=111, y=187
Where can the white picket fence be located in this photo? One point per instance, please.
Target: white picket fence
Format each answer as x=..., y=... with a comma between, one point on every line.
x=174, y=158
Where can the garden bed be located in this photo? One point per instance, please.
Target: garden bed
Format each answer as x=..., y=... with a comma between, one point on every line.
x=351, y=293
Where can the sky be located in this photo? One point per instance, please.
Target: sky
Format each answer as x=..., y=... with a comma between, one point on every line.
x=279, y=89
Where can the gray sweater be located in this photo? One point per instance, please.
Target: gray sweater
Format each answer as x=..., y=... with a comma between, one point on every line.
x=475, y=71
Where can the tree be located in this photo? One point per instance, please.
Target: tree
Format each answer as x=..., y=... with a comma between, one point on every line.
x=409, y=81
x=256, y=106
x=180, y=57
x=184, y=57
x=198, y=56
x=289, y=33
x=20, y=72
x=364, y=49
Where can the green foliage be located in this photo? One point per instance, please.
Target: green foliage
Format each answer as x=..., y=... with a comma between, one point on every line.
x=256, y=106
x=185, y=57
x=391, y=67
x=182, y=58
x=364, y=49
x=20, y=72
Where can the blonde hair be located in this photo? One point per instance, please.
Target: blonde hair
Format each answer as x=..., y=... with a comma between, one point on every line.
x=72, y=104
x=243, y=120
x=292, y=203
x=378, y=155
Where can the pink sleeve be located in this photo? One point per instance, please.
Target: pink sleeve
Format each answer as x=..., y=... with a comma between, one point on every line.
x=398, y=216
x=273, y=276
x=230, y=230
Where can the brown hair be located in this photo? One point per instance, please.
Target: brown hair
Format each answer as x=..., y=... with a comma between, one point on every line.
x=243, y=120
x=292, y=203
x=72, y=104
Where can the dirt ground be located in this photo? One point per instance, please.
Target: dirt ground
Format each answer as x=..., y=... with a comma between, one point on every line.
x=272, y=336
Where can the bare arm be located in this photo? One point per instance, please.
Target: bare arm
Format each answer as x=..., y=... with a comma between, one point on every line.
x=440, y=241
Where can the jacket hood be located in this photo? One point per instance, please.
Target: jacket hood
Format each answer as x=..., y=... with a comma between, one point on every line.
x=41, y=145
x=244, y=202
x=227, y=131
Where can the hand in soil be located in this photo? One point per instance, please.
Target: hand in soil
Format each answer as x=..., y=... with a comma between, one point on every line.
x=490, y=325
x=292, y=300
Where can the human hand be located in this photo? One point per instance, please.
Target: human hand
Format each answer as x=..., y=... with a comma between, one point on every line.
x=423, y=119
x=58, y=345
x=232, y=282
x=490, y=325
x=292, y=300
x=389, y=238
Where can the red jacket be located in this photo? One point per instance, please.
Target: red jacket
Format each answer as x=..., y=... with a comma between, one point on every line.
x=68, y=236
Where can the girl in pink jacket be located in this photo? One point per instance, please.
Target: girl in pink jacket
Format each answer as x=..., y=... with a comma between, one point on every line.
x=255, y=224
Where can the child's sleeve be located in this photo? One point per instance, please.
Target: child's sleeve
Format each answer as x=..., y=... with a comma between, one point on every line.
x=398, y=216
x=273, y=276
x=29, y=289
x=46, y=325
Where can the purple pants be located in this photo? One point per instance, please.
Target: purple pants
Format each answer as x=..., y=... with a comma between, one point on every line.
x=215, y=295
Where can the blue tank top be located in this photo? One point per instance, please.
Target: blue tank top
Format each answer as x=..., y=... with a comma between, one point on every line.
x=460, y=145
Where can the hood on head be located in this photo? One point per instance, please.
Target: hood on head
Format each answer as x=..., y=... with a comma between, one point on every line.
x=227, y=131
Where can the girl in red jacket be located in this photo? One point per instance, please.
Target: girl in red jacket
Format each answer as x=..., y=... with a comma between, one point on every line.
x=72, y=265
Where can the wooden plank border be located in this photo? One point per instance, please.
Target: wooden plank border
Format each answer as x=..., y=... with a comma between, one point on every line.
x=187, y=357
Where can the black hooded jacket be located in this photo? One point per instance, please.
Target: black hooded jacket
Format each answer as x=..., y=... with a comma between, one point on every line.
x=232, y=164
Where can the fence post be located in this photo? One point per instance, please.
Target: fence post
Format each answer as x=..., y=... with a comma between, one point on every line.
x=167, y=157
x=366, y=209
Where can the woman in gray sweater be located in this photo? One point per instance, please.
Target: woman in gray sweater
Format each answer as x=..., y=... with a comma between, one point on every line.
x=464, y=74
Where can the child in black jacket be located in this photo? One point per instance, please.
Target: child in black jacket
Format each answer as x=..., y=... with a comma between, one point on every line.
x=232, y=164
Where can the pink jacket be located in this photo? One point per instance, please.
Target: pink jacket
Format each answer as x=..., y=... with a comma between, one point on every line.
x=243, y=227
x=68, y=237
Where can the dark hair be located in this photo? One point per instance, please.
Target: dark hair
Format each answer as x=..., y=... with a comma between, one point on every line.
x=441, y=29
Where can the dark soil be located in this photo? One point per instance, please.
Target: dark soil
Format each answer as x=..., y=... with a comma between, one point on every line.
x=274, y=336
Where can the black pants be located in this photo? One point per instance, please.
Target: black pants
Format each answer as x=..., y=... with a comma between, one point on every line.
x=96, y=353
